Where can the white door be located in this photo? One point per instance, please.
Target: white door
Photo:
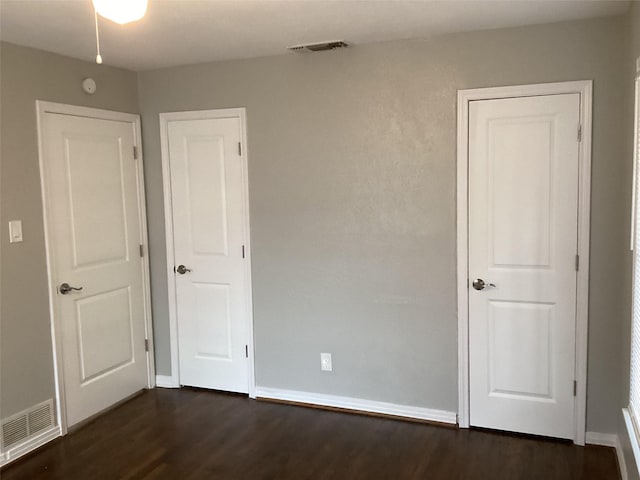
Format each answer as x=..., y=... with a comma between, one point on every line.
x=523, y=207
x=94, y=225
x=209, y=215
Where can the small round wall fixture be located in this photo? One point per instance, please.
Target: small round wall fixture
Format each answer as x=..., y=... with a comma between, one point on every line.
x=89, y=86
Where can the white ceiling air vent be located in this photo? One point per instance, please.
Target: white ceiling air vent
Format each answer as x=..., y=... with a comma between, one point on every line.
x=319, y=47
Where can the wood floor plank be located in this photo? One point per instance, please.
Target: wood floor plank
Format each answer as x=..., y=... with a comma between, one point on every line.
x=194, y=434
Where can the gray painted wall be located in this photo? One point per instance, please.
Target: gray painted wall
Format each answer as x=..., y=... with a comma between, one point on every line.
x=352, y=187
x=26, y=362
x=352, y=178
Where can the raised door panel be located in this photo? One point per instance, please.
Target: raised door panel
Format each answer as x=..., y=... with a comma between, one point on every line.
x=105, y=333
x=213, y=321
x=205, y=158
x=520, y=350
x=96, y=199
x=520, y=211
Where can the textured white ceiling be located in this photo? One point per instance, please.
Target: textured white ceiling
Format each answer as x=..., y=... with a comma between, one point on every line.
x=178, y=32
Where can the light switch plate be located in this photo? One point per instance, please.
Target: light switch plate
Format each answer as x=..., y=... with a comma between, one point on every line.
x=325, y=362
x=15, y=231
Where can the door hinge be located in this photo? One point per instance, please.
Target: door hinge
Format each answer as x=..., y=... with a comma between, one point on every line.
x=146, y=344
x=239, y=148
x=142, y=250
x=242, y=251
x=579, y=132
x=246, y=351
x=135, y=152
x=577, y=262
x=575, y=388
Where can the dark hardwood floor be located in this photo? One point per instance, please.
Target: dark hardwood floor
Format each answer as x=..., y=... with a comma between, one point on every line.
x=193, y=434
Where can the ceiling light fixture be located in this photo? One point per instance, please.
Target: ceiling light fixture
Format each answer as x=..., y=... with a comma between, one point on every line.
x=121, y=11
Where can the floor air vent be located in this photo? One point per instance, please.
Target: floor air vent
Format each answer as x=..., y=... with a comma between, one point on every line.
x=14, y=431
x=27, y=423
x=40, y=418
x=318, y=47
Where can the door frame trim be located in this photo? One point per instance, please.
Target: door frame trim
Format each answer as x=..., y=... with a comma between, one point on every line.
x=42, y=108
x=173, y=380
x=584, y=88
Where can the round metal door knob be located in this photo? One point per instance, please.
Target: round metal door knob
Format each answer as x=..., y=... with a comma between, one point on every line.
x=182, y=269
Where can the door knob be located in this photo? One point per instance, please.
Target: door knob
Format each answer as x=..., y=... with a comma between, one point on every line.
x=65, y=288
x=479, y=284
x=182, y=269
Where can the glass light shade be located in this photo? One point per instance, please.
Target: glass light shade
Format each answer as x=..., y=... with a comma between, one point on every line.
x=121, y=11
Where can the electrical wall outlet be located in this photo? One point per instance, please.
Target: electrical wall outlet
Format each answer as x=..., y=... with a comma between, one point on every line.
x=325, y=362
x=15, y=231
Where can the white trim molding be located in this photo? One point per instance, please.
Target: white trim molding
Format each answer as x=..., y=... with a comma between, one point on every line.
x=602, y=439
x=357, y=404
x=173, y=380
x=29, y=445
x=43, y=108
x=633, y=439
x=609, y=440
x=584, y=89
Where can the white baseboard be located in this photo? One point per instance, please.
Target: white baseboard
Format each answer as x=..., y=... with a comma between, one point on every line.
x=166, y=381
x=29, y=445
x=602, y=439
x=357, y=404
x=609, y=440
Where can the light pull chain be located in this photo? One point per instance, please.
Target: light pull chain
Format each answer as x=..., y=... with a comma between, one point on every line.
x=98, y=56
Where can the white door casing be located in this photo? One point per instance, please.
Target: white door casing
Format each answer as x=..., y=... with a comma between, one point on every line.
x=209, y=220
x=523, y=204
x=523, y=195
x=95, y=227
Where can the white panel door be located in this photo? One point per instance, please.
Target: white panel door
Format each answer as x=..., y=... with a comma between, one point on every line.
x=94, y=222
x=523, y=207
x=208, y=228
